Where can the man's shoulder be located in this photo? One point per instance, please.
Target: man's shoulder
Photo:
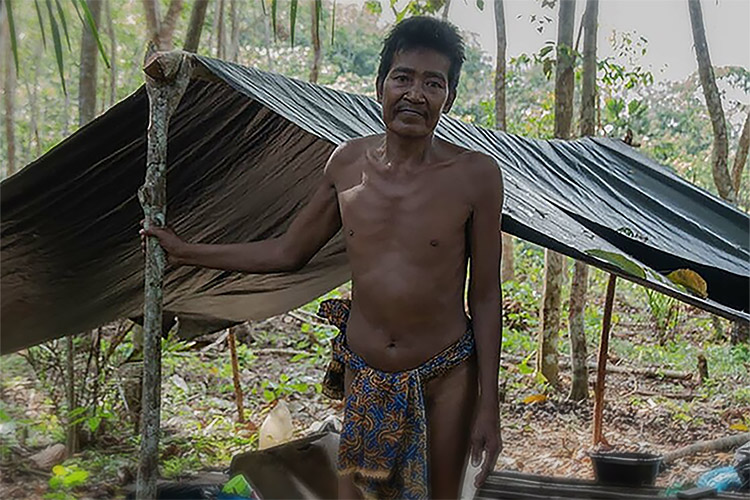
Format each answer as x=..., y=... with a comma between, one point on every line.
x=351, y=151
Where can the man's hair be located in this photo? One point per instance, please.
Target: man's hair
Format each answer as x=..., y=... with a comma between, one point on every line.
x=423, y=32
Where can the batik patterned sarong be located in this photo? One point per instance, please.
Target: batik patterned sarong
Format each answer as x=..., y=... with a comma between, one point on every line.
x=384, y=437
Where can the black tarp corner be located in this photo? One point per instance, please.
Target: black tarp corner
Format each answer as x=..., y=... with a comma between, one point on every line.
x=246, y=149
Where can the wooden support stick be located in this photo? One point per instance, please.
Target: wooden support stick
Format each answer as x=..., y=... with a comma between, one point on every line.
x=238, y=398
x=167, y=76
x=601, y=367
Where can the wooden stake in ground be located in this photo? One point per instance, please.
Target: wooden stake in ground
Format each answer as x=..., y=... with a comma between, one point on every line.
x=601, y=367
x=238, y=398
x=167, y=76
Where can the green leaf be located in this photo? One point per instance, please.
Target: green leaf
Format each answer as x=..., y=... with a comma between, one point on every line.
x=93, y=423
x=76, y=412
x=618, y=260
x=58, y=45
x=480, y=4
x=269, y=395
x=78, y=11
x=293, y=18
x=263, y=6
x=374, y=7
x=12, y=30
x=94, y=31
x=546, y=50
x=41, y=23
x=75, y=478
x=63, y=21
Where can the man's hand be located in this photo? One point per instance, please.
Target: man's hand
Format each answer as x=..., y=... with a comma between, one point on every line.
x=169, y=241
x=485, y=437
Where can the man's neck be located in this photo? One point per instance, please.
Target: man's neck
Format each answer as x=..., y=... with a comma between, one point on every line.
x=406, y=152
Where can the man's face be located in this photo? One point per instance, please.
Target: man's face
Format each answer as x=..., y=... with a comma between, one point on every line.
x=415, y=92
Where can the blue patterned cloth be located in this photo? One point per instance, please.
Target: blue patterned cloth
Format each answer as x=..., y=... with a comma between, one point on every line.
x=384, y=437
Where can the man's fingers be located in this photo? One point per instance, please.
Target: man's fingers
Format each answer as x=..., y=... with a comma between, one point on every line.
x=477, y=447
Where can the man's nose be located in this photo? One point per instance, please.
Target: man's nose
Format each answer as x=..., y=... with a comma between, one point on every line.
x=415, y=94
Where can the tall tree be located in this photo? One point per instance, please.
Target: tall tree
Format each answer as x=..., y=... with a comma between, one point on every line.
x=315, y=26
x=87, y=72
x=720, y=150
x=547, y=356
x=195, y=27
x=579, y=284
x=740, y=158
x=112, y=53
x=9, y=96
x=234, y=32
x=161, y=30
x=507, y=264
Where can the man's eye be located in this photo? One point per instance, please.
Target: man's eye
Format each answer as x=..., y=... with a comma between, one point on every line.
x=401, y=78
x=435, y=85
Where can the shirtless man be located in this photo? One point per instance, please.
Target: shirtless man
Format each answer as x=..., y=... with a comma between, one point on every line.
x=414, y=211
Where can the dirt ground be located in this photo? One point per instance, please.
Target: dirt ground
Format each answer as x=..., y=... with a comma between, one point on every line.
x=552, y=436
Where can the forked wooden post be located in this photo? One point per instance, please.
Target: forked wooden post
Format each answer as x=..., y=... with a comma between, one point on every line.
x=601, y=366
x=167, y=76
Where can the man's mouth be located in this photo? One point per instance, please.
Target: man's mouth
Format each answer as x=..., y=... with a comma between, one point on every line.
x=410, y=111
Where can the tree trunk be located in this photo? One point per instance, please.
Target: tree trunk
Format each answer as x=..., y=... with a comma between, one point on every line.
x=553, y=274
x=9, y=101
x=547, y=357
x=112, y=54
x=197, y=17
x=316, y=9
x=564, y=70
x=579, y=284
x=71, y=430
x=166, y=29
x=219, y=28
x=740, y=332
x=87, y=72
x=167, y=77
x=588, y=90
x=720, y=150
x=447, y=8
x=161, y=30
x=507, y=263
x=153, y=20
x=234, y=34
x=740, y=158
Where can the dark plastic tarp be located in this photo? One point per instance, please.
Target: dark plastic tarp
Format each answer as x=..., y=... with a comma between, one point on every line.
x=246, y=149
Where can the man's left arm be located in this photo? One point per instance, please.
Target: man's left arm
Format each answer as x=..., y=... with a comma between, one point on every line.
x=485, y=309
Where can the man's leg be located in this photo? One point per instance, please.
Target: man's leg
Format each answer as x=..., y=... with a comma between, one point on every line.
x=347, y=489
x=451, y=403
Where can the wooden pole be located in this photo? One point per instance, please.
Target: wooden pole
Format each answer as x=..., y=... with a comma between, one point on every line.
x=238, y=398
x=601, y=366
x=167, y=76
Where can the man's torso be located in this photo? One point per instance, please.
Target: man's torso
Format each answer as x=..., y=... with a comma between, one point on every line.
x=406, y=240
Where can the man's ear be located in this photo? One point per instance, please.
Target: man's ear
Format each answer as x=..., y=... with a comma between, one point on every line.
x=449, y=102
x=379, y=90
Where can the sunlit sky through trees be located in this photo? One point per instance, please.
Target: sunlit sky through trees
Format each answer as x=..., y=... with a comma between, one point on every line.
x=664, y=23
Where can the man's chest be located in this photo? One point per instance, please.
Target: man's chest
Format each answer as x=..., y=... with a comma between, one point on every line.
x=434, y=209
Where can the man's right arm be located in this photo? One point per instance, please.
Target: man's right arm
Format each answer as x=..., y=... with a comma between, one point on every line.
x=316, y=223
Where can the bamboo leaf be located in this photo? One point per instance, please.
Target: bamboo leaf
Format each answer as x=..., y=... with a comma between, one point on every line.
x=620, y=261
x=94, y=31
x=58, y=45
x=274, y=5
x=78, y=11
x=41, y=22
x=293, y=17
x=12, y=29
x=64, y=22
x=333, y=21
x=263, y=6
